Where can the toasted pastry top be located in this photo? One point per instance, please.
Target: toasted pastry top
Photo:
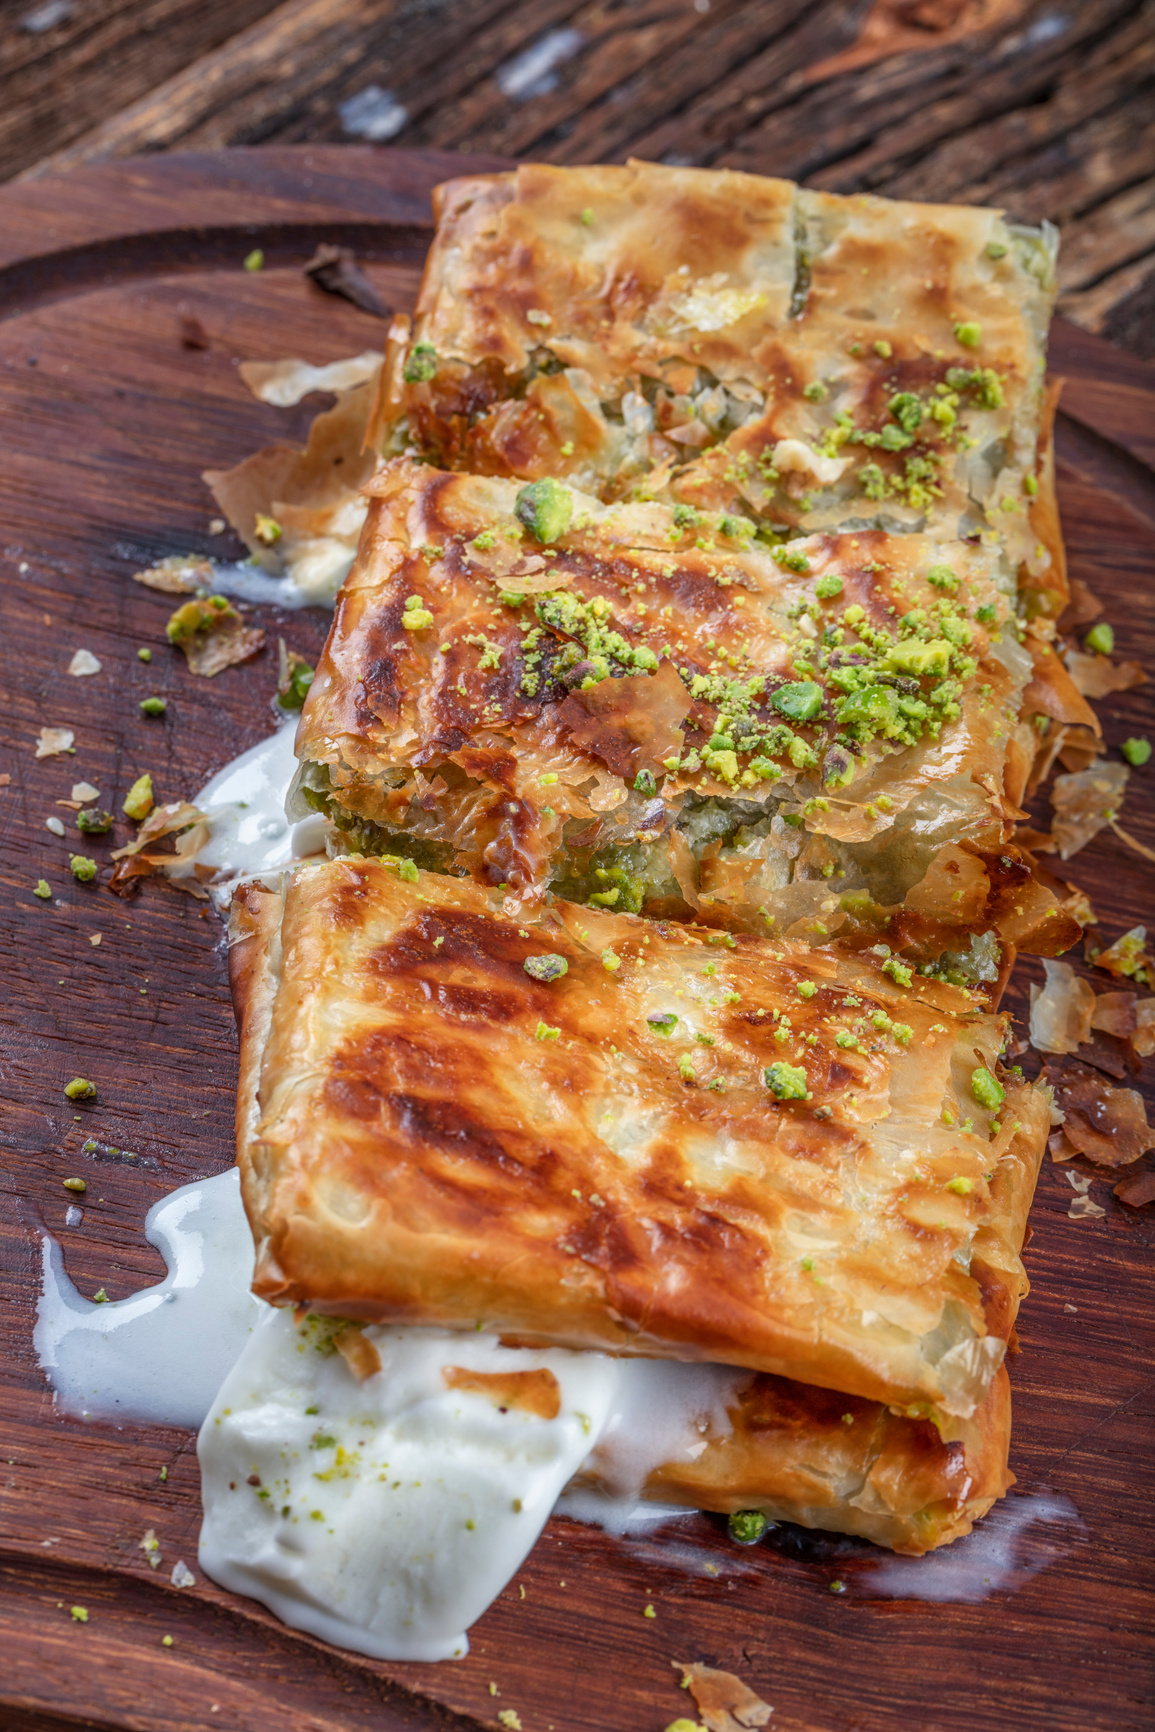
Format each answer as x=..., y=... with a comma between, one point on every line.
x=682, y=1144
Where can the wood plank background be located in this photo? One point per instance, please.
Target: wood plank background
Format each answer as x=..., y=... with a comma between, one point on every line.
x=1043, y=106
x=106, y=421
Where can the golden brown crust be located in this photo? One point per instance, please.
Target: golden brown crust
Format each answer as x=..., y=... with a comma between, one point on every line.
x=704, y=334
x=833, y=1461
x=511, y=727
x=444, y=1139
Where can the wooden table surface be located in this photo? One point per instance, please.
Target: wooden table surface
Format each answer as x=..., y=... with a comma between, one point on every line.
x=106, y=423
x=1046, y=108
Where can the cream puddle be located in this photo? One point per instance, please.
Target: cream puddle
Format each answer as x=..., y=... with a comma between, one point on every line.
x=161, y=1355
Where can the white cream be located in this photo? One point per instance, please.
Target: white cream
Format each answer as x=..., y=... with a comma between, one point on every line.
x=389, y=1513
x=160, y=1355
x=245, y=803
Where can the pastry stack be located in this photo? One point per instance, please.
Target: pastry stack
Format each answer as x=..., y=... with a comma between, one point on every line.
x=672, y=730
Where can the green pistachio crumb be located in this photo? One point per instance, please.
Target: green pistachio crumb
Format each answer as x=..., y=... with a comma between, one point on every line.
x=153, y=706
x=898, y=971
x=138, y=802
x=144, y=654
x=100, y=1297
x=83, y=869
x=644, y=783
x=942, y=577
x=546, y=509
x=166, y=1641
x=79, y=1614
x=93, y=822
x=970, y=334
x=80, y=1089
x=75, y=1185
x=987, y=1089
x=544, y=1032
x=611, y=961
x=663, y=1025
x=882, y=347
x=266, y=529
x=747, y=1526
x=401, y=867
x=1136, y=751
x=962, y=1187
x=787, y=1082
x=1100, y=640
x=686, y=1068
x=829, y=586
x=43, y=889
x=420, y=364
x=548, y=967
x=806, y=989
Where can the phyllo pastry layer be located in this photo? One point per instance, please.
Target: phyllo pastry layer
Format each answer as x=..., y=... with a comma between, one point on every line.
x=651, y=709
x=735, y=342
x=827, y=1460
x=592, y=1130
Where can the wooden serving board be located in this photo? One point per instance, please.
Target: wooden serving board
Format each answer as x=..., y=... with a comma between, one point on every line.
x=106, y=422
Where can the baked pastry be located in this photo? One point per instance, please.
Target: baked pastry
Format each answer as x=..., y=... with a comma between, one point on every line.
x=734, y=342
x=646, y=708
x=585, y=1129
x=800, y=1454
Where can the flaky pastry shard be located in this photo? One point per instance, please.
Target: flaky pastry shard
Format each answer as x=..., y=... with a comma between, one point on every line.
x=586, y=1129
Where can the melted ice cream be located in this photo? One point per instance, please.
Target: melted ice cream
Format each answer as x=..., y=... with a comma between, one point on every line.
x=386, y=1515
x=245, y=803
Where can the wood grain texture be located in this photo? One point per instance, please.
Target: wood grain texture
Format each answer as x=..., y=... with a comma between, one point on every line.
x=107, y=422
x=1015, y=102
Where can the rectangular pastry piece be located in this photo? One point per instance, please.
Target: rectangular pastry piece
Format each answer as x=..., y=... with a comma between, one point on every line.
x=591, y=1130
x=734, y=342
x=650, y=709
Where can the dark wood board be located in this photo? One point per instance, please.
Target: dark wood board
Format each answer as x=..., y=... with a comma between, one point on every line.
x=106, y=422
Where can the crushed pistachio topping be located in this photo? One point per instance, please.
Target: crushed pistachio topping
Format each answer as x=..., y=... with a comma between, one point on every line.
x=961, y=1186
x=786, y=1082
x=1137, y=752
x=93, y=822
x=747, y=1526
x=544, y=1032
x=548, y=967
x=138, y=802
x=665, y=1024
x=420, y=364
x=80, y=1089
x=266, y=529
x=43, y=889
x=153, y=706
x=986, y=1089
x=203, y=614
x=1100, y=640
x=144, y=654
x=415, y=615
x=546, y=509
x=77, y=1185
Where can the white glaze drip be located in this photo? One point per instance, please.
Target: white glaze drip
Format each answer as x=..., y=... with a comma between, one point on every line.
x=159, y=1356
x=1019, y=1537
